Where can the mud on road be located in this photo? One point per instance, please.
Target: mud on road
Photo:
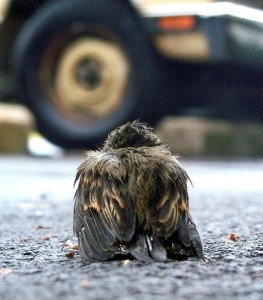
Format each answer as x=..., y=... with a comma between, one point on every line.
x=36, y=219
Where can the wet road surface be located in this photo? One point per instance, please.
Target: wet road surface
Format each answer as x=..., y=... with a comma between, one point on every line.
x=36, y=203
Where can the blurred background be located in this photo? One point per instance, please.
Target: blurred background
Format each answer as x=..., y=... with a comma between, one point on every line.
x=71, y=71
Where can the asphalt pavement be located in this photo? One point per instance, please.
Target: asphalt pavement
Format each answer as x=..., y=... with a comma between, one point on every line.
x=36, y=205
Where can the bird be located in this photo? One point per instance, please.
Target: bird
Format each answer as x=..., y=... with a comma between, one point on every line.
x=132, y=199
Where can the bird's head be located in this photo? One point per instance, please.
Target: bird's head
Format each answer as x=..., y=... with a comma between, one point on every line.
x=132, y=134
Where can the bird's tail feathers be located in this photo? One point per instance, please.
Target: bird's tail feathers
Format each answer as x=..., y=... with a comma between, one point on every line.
x=148, y=247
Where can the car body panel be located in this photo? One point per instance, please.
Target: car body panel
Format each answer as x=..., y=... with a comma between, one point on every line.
x=223, y=30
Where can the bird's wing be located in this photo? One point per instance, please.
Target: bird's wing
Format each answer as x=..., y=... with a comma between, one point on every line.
x=103, y=212
x=170, y=201
x=169, y=212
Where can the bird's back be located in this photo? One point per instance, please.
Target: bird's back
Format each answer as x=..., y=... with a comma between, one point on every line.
x=152, y=173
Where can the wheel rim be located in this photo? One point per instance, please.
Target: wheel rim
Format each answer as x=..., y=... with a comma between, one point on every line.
x=87, y=80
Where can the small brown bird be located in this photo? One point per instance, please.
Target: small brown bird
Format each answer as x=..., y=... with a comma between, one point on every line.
x=132, y=199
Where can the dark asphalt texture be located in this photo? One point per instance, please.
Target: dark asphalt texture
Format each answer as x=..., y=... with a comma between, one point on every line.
x=36, y=204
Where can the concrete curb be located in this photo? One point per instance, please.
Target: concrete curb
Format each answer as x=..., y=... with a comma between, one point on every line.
x=190, y=136
x=186, y=136
x=15, y=124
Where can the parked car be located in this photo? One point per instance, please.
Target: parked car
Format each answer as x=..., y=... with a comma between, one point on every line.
x=85, y=66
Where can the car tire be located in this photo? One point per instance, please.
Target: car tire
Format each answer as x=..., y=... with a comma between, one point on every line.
x=83, y=67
